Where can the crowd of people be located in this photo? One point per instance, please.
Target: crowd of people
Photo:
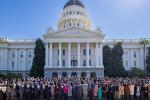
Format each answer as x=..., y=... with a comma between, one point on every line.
x=75, y=89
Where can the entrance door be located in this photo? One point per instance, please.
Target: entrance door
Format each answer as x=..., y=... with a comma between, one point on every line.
x=74, y=62
x=74, y=74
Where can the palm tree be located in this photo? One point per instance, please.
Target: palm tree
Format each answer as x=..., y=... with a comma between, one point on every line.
x=144, y=42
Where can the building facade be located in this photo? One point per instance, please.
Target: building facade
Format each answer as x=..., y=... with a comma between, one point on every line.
x=73, y=49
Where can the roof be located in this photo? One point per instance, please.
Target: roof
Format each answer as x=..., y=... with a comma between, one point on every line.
x=74, y=2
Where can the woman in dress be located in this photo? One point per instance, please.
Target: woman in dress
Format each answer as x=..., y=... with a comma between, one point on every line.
x=99, y=93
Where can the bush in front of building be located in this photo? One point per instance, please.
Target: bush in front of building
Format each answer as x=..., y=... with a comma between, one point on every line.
x=136, y=72
x=10, y=76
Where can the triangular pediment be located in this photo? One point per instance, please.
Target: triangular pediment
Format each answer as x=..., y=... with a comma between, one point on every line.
x=74, y=33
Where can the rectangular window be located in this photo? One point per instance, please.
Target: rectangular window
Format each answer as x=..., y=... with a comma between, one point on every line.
x=84, y=62
x=63, y=52
x=135, y=54
x=90, y=62
x=135, y=64
x=29, y=63
x=90, y=52
x=57, y=62
x=30, y=56
x=57, y=52
x=63, y=62
x=12, y=64
x=21, y=56
x=84, y=52
x=126, y=63
x=13, y=55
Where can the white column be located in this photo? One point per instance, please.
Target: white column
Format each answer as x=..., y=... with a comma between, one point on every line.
x=3, y=56
x=101, y=55
x=25, y=60
x=51, y=59
x=131, y=55
x=60, y=60
x=69, y=55
x=87, y=52
x=17, y=61
x=46, y=55
x=96, y=55
x=78, y=55
x=5, y=60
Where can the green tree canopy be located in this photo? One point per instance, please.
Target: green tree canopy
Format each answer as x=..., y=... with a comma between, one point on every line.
x=144, y=42
x=37, y=69
x=148, y=63
x=107, y=60
x=117, y=61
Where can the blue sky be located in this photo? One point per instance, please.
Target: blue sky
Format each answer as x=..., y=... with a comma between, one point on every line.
x=29, y=19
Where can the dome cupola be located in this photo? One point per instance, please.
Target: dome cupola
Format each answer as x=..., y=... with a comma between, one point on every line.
x=74, y=2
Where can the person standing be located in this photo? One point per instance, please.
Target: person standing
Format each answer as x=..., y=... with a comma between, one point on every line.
x=85, y=90
x=131, y=91
x=65, y=92
x=149, y=91
x=95, y=92
x=17, y=89
x=70, y=92
x=145, y=91
x=79, y=91
x=122, y=91
x=138, y=89
x=52, y=92
x=126, y=92
x=99, y=93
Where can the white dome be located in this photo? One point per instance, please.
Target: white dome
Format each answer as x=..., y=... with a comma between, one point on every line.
x=73, y=16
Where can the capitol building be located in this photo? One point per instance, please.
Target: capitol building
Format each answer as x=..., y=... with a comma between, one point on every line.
x=73, y=49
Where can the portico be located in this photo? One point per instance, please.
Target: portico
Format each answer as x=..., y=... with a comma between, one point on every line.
x=79, y=57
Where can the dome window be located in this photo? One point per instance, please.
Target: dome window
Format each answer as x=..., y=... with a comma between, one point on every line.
x=70, y=12
x=77, y=12
x=70, y=24
x=78, y=24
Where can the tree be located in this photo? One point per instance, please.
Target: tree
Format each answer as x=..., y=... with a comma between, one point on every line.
x=107, y=60
x=144, y=42
x=117, y=61
x=37, y=69
x=148, y=63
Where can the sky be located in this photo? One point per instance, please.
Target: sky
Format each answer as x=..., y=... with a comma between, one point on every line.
x=118, y=19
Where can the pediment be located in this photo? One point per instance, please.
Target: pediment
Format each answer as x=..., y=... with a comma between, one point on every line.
x=74, y=33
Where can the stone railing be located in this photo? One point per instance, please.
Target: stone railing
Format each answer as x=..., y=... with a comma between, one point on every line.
x=3, y=39
x=22, y=40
